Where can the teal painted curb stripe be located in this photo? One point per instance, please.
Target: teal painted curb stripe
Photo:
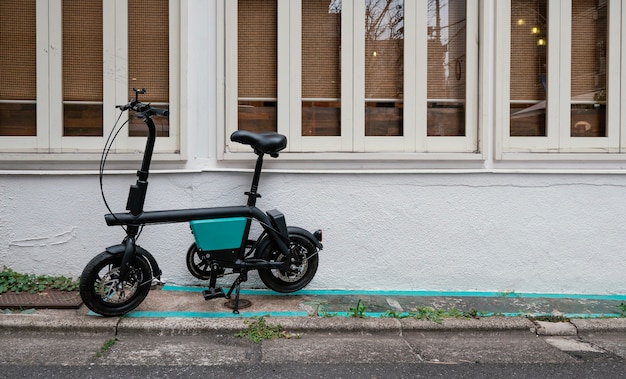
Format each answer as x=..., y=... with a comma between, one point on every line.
x=163, y=314
x=169, y=287
x=183, y=314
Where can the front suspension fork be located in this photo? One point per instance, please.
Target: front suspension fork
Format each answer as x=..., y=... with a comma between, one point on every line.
x=130, y=251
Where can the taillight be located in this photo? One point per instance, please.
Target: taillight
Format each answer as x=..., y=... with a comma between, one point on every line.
x=318, y=235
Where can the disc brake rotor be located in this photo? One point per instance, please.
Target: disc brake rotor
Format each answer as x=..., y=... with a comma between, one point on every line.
x=112, y=292
x=299, y=271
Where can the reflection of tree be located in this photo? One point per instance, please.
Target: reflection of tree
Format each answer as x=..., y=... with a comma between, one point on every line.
x=334, y=6
x=446, y=48
x=384, y=19
x=384, y=48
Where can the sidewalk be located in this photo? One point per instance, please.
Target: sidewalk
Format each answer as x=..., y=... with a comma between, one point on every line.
x=180, y=310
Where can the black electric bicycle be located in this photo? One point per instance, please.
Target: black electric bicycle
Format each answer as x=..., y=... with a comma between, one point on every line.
x=117, y=280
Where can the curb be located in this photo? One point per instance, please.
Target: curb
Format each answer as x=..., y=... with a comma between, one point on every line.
x=324, y=325
x=57, y=323
x=600, y=325
x=193, y=326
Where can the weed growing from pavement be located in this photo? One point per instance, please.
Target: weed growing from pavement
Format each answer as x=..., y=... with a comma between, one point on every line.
x=429, y=313
x=419, y=313
x=549, y=318
x=395, y=314
x=106, y=346
x=258, y=330
x=18, y=282
x=622, y=309
x=358, y=311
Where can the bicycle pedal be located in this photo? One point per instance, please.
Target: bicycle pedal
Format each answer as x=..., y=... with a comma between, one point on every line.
x=213, y=293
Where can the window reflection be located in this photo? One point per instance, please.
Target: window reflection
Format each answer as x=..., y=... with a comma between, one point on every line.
x=257, y=65
x=321, y=68
x=529, y=30
x=589, y=37
x=446, y=67
x=384, y=67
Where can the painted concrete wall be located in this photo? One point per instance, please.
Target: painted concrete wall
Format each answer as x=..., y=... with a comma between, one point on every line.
x=470, y=232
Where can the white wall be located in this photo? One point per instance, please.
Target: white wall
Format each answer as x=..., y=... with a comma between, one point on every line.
x=468, y=232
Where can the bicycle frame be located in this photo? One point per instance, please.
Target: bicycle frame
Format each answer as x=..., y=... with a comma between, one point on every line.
x=286, y=257
x=273, y=225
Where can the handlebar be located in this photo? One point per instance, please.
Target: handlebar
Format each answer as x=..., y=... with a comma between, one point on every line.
x=144, y=108
x=145, y=111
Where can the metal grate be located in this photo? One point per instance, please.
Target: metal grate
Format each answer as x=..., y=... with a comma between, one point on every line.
x=47, y=299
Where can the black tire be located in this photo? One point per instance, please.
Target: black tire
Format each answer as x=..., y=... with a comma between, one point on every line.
x=290, y=281
x=99, y=280
x=197, y=264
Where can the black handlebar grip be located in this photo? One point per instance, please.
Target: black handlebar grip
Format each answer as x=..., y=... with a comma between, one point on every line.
x=161, y=112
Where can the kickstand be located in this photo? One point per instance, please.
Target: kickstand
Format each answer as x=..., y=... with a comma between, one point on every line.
x=243, y=276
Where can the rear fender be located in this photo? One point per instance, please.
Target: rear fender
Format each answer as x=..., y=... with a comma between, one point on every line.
x=292, y=230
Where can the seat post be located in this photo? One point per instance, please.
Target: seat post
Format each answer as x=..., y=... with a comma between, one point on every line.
x=253, y=195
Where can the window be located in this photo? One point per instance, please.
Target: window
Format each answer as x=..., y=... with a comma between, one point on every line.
x=65, y=64
x=353, y=76
x=560, y=83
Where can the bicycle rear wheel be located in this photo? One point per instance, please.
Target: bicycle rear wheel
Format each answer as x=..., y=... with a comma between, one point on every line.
x=306, y=262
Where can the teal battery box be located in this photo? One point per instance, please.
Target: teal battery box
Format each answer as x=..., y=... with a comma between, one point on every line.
x=218, y=234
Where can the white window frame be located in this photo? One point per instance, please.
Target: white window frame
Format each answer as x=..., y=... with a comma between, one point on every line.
x=49, y=138
x=352, y=144
x=558, y=116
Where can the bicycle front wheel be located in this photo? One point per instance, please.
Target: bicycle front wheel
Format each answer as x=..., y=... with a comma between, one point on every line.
x=101, y=290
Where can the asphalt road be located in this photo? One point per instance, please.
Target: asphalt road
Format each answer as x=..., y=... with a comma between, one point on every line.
x=344, y=370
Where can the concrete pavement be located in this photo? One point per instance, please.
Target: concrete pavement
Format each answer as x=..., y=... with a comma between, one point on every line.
x=176, y=326
x=183, y=310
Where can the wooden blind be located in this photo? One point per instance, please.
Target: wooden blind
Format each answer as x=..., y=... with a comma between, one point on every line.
x=529, y=29
x=589, y=48
x=257, y=49
x=82, y=50
x=321, y=50
x=446, y=49
x=18, y=68
x=384, y=49
x=148, y=49
x=18, y=79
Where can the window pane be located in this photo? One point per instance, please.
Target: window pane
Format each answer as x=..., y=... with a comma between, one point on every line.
x=446, y=67
x=257, y=65
x=321, y=68
x=148, y=59
x=529, y=29
x=18, y=86
x=589, y=43
x=384, y=67
x=82, y=67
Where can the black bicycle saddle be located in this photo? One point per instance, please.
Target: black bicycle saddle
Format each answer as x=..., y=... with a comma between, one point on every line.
x=267, y=142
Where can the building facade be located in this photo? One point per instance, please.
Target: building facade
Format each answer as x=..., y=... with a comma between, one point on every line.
x=442, y=145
